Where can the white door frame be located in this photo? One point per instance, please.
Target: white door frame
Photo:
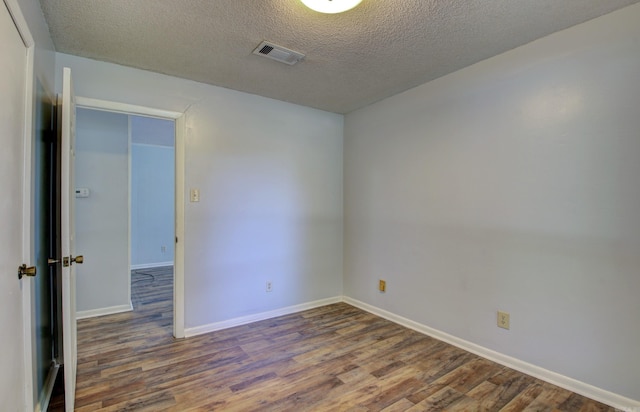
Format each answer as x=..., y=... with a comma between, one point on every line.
x=180, y=135
x=28, y=255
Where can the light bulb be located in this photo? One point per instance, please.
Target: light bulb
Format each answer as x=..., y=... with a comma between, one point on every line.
x=331, y=6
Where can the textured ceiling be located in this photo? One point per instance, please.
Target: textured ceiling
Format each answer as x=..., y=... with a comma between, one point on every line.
x=378, y=49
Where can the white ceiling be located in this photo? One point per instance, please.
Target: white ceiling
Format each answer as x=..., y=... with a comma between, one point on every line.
x=380, y=48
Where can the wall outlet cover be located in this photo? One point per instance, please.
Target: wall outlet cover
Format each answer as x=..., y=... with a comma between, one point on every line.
x=503, y=320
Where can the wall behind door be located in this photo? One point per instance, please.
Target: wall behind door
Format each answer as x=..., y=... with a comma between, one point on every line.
x=513, y=185
x=152, y=192
x=271, y=196
x=102, y=219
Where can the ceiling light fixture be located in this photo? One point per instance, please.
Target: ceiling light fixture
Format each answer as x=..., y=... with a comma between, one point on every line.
x=331, y=6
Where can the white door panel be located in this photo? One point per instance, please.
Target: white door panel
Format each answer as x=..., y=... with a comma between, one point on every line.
x=13, y=64
x=67, y=112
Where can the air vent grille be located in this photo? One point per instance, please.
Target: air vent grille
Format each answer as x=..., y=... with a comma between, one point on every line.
x=266, y=49
x=278, y=53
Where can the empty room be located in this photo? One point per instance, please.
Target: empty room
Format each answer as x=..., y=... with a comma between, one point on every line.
x=409, y=205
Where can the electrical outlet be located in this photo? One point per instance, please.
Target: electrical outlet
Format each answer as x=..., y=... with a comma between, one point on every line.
x=163, y=249
x=503, y=320
x=269, y=286
x=382, y=285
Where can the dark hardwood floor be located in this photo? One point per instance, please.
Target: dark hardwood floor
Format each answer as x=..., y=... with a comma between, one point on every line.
x=333, y=358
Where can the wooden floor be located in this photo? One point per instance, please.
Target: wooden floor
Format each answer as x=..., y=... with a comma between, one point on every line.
x=334, y=358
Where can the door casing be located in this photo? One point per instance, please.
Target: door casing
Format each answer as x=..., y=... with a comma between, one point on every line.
x=180, y=136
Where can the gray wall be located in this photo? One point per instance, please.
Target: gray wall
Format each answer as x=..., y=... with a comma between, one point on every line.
x=512, y=185
x=271, y=196
x=507, y=185
x=152, y=204
x=102, y=220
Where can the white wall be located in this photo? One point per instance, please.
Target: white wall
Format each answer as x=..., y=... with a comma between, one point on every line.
x=152, y=204
x=102, y=219
x=270, y=179
x=512, y=185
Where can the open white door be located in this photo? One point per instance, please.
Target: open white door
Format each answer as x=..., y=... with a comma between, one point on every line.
x=66, y=106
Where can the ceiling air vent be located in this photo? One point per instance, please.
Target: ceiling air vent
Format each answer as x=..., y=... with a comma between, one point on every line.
x=278, y=53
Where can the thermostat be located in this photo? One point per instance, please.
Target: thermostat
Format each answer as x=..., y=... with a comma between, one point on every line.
x=82, y=192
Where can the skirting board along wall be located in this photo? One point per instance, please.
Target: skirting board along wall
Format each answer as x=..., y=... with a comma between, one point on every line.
x=104, y=311
x=45, y=394
x=151, y=265
x=590, y=391
x=200, y=330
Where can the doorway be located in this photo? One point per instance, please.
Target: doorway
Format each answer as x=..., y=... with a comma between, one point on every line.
x=152, y=214
x=152, y=192
x=179, y=120
x=46, y=231
x=125, y=200
x=112, y=149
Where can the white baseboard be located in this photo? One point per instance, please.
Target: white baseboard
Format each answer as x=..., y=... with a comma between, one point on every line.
x=151, y=265
x=104, y=311
x=47, y=389
x=573, y=385
x=590, y=391
x=212, y=327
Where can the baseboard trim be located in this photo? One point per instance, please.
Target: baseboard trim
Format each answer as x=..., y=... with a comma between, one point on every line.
x=47, y=390
x=151, y=265
x=573, y=385
x=93, y=313
x=590, y=391
x=212, y=327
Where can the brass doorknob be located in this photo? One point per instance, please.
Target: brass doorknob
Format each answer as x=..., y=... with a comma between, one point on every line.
x=26, y=271
x=78, y=259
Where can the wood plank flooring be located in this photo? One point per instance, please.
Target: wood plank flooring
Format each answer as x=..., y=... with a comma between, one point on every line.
x=333, y=358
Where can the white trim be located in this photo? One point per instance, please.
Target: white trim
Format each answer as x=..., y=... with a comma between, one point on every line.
x=112, y=310
x=20, y=22
x=590, y=391
x=129, y=203
x=28, y=249
x=212, y=327
x=160, y=146
x=180, y=130
x=47, y=390
x=125, y=108
x=151, y=265
x=179, y=211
